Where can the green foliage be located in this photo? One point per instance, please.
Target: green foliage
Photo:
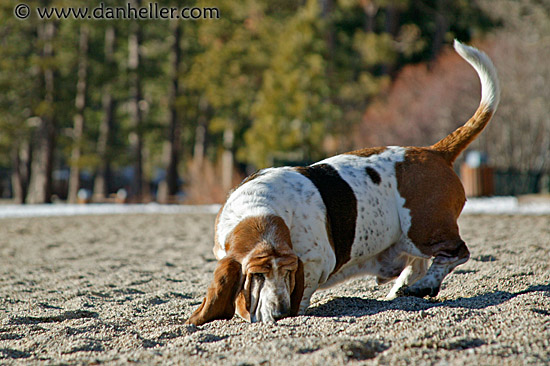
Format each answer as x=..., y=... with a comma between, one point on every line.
x=18, y=73
x=293, y=105
x=283, y=76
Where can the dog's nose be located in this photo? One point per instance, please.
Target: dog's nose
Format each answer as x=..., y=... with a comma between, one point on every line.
x=281, y=312
x=279, y=316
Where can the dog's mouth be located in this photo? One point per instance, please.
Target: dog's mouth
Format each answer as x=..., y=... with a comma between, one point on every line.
x=267, y=316
x=268, y=313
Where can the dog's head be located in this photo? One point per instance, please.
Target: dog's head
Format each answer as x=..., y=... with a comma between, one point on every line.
x=260, y=278
x=269, y=284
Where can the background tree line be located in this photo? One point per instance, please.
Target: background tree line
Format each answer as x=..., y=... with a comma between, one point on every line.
x=161, y=106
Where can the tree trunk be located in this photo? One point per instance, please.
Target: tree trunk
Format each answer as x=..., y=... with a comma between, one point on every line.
x=326, y=13
x=40, y=186
x=199, y=147
x=80, y=104
x=441, y=27
x=134, y=42
x=169, y=187
x=104, y=141
x=371, y=9
x=17, y=179
x=392, y=27
x=200, y=144
x=227, y=158
x=22, y=157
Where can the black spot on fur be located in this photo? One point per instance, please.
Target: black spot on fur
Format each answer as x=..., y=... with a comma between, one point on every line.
x=373, y=174
x=341, y=206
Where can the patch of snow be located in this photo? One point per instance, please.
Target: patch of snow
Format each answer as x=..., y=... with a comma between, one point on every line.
x=101, y=209
x=489, y=205
x=505, y=206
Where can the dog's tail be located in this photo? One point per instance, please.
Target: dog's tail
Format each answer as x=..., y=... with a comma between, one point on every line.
x=452, y=145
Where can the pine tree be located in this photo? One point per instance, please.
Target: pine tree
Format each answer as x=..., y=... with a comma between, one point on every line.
x=80, y=104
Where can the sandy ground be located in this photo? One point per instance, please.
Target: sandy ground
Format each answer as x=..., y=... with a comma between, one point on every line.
x=117, y=289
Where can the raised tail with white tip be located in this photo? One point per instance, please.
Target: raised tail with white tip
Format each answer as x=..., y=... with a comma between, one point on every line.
x=452, y=145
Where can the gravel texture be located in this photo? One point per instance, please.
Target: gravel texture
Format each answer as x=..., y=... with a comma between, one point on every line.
x=117, y=289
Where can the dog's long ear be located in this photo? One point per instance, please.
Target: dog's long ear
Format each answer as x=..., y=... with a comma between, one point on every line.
x=242, y=302
x=219, y=302
x=298, y=291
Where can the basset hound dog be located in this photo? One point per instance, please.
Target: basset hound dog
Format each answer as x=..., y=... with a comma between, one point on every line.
x=386, y=211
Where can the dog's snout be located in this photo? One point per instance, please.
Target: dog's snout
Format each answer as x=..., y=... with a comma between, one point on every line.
x=281, y=311
x=279, y=316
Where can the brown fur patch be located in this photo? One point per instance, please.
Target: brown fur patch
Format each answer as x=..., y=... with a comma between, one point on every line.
x=255, y=229
x=219, y=302
x=433, y=194
x=297, y=289
x=366, y=152
x=242, y=304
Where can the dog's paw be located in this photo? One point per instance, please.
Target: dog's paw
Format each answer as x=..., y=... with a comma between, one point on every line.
x=395, y=293
x=419, y=291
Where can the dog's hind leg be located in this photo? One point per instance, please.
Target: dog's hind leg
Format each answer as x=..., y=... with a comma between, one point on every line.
x=430, y=200
x=448, y=255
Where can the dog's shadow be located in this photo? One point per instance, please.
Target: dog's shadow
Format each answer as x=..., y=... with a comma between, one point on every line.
x=355, y=306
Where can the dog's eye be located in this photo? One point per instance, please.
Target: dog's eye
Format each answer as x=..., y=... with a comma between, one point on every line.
x=259, y=276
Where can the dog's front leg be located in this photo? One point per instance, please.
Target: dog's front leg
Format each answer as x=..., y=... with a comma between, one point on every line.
x=306, y=299
x=316, y=273
x=412, y=273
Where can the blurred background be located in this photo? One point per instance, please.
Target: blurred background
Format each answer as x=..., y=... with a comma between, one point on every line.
x=179, y=111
